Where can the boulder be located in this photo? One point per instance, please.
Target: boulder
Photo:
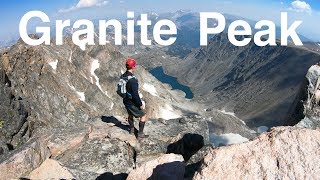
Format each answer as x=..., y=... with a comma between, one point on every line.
x=184, y=136
x=62, y=140
x=99, y=156
x=19, y=163
x=51, y=169
x=168, y=166
x=283, y=153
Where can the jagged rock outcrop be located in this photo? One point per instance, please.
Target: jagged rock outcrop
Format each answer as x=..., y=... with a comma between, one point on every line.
x=283, y=153
x=22, y=161
x=14, y=127
x=310, y=98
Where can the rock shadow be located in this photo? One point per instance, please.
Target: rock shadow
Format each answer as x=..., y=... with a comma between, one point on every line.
x=169, y=171
x=191, y=170
x=187, y=146
x=111, y=176
x=115, y=121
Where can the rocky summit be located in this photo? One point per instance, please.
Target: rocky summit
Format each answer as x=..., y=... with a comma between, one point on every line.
x=60, y=118
x=59, y=102
x=283, y=153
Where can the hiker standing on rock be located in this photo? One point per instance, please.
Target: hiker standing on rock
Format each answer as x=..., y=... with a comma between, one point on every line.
x=128, y=90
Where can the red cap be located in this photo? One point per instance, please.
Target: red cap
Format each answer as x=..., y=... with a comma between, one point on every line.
x=131, y=63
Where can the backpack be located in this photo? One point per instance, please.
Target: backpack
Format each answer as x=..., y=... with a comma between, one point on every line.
x=122, y=86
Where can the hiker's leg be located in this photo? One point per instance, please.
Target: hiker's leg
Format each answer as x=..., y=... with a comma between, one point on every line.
x=144, y=118
x=131, y=123
x=130, y=120
x=142, y=122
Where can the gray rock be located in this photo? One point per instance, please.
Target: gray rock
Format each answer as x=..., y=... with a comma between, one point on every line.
x=309, y=105
x=172, y=136
x=100, y=156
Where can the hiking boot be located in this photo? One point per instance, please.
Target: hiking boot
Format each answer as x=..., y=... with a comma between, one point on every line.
x=142, y=136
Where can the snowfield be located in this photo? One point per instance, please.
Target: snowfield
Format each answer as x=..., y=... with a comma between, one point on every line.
x=150, y=89
x=226, y=139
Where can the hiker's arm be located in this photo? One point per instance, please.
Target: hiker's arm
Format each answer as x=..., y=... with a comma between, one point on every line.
x=135, y=94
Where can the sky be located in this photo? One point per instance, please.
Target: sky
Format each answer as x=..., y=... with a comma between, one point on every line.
x=306, y=10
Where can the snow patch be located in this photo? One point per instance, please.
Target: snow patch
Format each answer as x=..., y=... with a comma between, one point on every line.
x=94, y=66
x=150, y=89
x=108, y=94
x=318, y=44
x=54, y=64
x=231, y=114
x=163, y=57
x=262, y=129
x=168, y=113
x=111, y=106
x=227, y=113
x=81, y=95
x=227, y=139
x=70, y=58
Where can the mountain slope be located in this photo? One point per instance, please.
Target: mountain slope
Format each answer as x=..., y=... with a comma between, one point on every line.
x=258, y=84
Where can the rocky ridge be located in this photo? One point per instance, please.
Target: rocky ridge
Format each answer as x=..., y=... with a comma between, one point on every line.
x=65, y=109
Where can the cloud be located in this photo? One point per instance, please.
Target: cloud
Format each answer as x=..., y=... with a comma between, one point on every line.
x=85, y=4
x=301, y=7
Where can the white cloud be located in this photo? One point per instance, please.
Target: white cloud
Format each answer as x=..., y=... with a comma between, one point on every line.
x=301, y=7
x=85, y=4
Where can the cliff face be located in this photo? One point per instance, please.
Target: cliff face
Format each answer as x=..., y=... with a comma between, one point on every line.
x=310, y=98
x=14, y=112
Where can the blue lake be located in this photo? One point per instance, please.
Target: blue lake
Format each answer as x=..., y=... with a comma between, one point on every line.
x=164, y=78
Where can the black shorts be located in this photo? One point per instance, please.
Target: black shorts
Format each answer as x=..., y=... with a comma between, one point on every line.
x=135, y=111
